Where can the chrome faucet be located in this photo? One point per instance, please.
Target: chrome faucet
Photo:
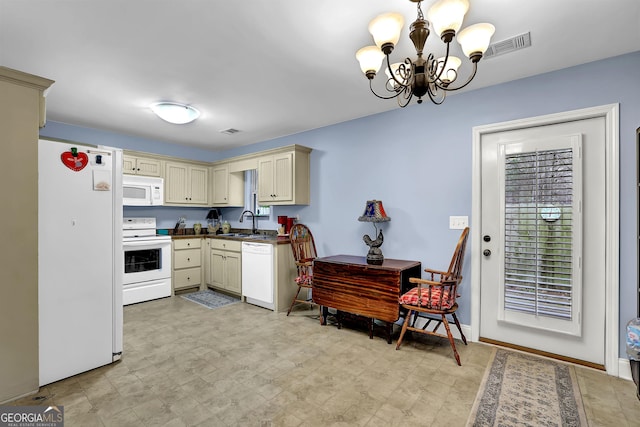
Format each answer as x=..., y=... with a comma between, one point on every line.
x=254, y=230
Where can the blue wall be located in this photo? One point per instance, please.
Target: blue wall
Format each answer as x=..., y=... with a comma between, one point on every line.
x=418, y=161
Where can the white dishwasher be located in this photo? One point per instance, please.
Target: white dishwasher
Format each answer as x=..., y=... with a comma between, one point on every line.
x=257, y=274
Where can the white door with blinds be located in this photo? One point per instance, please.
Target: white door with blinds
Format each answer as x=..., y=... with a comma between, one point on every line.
x=543, y=230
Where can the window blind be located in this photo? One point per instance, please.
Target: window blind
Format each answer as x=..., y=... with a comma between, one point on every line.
x=538, y=233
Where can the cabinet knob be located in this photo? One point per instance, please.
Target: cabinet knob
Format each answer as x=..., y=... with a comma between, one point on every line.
x=188, y=278
x=188, y=259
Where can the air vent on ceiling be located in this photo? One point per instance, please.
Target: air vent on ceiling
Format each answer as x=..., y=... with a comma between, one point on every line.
x=505, y=46
x=229, y=131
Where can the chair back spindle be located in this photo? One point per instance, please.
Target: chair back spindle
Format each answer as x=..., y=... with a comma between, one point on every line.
x=304, y=252
x=455, y=268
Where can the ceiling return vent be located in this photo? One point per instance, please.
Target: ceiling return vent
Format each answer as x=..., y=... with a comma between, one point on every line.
x=229, y=131
x=509, y=45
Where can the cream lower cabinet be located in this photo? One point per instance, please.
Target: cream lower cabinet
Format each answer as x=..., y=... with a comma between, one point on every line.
x=187, y=263
x=284, y=277
x=225, y=265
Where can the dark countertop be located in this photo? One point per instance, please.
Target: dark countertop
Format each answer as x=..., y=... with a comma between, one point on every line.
x=269, y=238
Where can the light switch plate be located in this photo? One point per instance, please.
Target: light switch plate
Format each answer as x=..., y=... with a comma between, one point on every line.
x=458, y=222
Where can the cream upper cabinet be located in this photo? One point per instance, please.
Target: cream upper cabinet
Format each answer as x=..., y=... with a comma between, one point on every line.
x=186, y=184
x=199, y=176
x=227, y=186
x=283, y=178
x=141, y=166
x=220, y=178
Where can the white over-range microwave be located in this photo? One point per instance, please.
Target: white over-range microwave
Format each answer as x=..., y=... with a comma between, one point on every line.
x=142, y=190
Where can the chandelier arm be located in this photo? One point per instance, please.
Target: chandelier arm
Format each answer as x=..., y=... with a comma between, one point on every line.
x=407, y=98
x=442, y=69
x=380, y=96
x=391, y=73
x=432, y=95
x=436, y=101
x=451, y=89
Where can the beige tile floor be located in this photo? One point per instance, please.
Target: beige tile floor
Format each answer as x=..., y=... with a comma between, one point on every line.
x=186, y=365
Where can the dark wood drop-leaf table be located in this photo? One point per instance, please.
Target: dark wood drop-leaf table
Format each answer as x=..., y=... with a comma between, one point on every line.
x=348, y=284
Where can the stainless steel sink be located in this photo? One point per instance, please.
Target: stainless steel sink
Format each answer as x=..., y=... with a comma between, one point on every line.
x=243, y=235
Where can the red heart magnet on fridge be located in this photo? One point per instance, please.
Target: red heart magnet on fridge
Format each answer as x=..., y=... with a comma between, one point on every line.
x=75, y=163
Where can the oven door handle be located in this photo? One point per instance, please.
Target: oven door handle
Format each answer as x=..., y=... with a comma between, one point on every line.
x=155, y=244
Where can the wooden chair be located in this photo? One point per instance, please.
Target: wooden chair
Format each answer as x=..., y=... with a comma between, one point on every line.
x=435, y=297
x=304, y=252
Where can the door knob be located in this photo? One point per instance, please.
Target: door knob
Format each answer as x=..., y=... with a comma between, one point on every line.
x=486, y=252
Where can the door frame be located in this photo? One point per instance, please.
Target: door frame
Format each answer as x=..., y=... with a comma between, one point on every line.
x=610, y=113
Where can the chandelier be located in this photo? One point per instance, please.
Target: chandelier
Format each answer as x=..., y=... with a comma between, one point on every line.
x=431, y=76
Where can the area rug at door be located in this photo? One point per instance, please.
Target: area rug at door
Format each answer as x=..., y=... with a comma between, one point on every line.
x=210, y=299
x=526, y=390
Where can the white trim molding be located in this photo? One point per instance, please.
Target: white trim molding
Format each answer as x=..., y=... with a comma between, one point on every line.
x=610, y=113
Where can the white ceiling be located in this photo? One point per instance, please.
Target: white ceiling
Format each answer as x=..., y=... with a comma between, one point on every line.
x=268, y=68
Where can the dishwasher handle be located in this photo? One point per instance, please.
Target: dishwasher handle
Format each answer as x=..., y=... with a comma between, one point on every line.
x=257, y=248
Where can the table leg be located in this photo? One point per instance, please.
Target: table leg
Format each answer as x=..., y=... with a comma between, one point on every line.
x=324, y=311
x=389, y=331
x=370, y=328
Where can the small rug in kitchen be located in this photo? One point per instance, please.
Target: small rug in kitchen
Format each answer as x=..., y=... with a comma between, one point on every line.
x=210, y=299
x=526, y=390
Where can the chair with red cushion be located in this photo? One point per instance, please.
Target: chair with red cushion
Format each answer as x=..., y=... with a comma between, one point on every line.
x=304, y=252
x=435, y=298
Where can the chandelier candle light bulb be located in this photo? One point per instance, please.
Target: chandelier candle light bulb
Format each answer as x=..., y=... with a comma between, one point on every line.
x=424, y=76
x=386, y=29
x=370, y=58
x=475, y=40
x=447, y=15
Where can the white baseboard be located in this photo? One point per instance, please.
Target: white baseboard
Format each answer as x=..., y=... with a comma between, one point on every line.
x=624, y=367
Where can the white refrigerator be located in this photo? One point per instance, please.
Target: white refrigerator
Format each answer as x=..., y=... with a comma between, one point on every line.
x=80, y=258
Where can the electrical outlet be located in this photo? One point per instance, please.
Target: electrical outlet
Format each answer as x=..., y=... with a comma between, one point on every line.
x=458, y=222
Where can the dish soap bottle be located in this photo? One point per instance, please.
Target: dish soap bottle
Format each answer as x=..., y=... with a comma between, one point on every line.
x=226, y=227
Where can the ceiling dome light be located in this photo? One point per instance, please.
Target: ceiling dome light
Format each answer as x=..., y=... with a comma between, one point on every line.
x=175, y=113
